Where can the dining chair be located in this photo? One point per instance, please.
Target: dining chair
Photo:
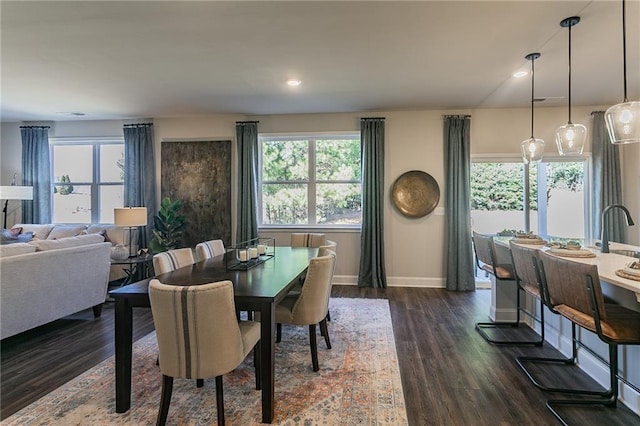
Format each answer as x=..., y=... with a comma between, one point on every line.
x=173, y=259
x=209, y=249
x=574, y=290
x=199, y=337
x=487, y=260
x=310, y=307
x=305, y=239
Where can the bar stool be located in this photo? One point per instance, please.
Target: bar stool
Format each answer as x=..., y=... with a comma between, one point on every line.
x=574, y=290
x=525, y=261
x=485, y=252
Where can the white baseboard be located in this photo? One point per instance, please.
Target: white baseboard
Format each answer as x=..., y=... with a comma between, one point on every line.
x=394, y=281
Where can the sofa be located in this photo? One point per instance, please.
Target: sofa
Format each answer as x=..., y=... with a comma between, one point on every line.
x=49, y=271
x=44, y=280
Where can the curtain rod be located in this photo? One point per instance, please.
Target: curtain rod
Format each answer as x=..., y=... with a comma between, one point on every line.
x=456, y=116
x=373, y=118
x=35, y=127
x=247, y=122
x=139, y=125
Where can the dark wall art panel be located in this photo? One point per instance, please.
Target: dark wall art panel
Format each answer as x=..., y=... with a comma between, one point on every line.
x=199, y=174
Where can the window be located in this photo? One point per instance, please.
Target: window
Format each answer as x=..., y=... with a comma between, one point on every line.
x=88, y=179
x=558, y=203
x=310, y=180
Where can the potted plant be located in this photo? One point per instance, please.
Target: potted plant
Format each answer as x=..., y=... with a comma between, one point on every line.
x=168, y=226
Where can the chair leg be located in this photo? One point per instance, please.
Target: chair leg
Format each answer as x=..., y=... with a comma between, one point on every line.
x=481, y=326
x=314, y=347
x=328, y=316
x=199, y=383
x=610, y=396
x=325, y=332
x=220, y=400
x=257, y=364
x=165, y=400
x=278, y=332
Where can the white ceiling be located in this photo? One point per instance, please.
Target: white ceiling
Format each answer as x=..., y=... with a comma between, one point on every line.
x=121, y=60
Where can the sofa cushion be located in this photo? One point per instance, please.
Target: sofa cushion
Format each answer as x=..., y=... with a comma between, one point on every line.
x=16, y=249
x=114, y=234
x=40, y=232
x=63, y=231
x=80, y=240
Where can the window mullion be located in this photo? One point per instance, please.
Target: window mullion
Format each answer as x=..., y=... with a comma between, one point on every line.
x=311, y=187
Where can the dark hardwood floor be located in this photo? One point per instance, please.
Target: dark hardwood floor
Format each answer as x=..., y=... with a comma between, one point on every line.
x=450, y=375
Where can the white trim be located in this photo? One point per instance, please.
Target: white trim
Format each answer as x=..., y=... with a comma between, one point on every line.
x=86, y=140
x=416, y=282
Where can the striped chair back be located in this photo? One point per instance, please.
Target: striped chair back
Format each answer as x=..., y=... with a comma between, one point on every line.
x=308, y=240
x=209, y=249
x=197, y=330
x=173, y=259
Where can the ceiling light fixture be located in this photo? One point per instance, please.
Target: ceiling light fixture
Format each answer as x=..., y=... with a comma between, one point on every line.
x=623, y=120
x=520, y=74
x=294, y=82
x=532, y=148
x=570, y=137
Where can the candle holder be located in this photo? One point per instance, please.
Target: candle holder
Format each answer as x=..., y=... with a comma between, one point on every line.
x=248, y=254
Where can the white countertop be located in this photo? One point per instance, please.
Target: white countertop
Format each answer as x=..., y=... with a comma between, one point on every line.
x=607, y=264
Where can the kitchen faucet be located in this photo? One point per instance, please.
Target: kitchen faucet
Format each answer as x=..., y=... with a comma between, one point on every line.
x=604, y=248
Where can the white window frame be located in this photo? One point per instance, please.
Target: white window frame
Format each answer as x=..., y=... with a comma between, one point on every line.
x=587, y=190
x=95, y=185
x=311, y=182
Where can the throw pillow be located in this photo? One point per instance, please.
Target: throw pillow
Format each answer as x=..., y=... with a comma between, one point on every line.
x=64, y=231
x=11, y=234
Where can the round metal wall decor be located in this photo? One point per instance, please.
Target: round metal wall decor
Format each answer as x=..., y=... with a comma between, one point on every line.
x=415, y=193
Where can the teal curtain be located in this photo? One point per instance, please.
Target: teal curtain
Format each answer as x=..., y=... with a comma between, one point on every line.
x=247, y=141
x=372, y=269
x=457, y=165
x=139, y=174
x=606, y=182
x=36, y=172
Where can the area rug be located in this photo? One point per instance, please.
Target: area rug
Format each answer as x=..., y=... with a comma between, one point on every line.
x=358, y=382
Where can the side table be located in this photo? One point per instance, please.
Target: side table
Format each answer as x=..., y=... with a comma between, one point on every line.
x=137, y=268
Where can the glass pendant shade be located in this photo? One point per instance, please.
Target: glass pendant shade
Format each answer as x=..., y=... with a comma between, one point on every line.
x=623, y=122
x=532, y=150
x=570, y=139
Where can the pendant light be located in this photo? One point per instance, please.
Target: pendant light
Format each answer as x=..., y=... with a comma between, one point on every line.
x=532, y=148
x=623, y=120
x=570, y=137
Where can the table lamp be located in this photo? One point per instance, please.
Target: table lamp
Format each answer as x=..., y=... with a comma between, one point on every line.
x=14, y=192
x=130, y=218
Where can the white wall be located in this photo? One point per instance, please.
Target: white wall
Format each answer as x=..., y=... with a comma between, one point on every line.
x=413, y=141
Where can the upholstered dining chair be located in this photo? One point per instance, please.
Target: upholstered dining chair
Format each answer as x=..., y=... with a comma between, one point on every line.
x=305, y=239
x=209, y=249
x=173, y=259
x=311, y=305
x=575, y=292
x=199, y=336
x=487, y=260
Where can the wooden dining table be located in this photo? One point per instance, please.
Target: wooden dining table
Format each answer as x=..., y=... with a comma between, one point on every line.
x=258, y=289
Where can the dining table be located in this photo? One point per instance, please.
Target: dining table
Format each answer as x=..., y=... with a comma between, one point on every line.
x=257, y=289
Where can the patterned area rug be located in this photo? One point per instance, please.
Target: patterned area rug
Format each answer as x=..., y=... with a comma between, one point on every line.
x=358, y=382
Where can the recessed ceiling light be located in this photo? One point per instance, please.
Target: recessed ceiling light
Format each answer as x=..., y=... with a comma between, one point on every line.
x=294, y=82
x=520, y=74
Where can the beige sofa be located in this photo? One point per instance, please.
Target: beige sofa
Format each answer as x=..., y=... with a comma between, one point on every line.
x=45, y=280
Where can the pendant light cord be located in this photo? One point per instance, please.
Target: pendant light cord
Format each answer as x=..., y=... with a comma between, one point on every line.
x=570, y=25
x=624, y=49
x=532, y=93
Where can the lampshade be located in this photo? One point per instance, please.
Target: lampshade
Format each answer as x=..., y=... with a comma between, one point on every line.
x=532, y=148
x=570, y=138
x=130, y=216
x=623, y=120
x=16, y=192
